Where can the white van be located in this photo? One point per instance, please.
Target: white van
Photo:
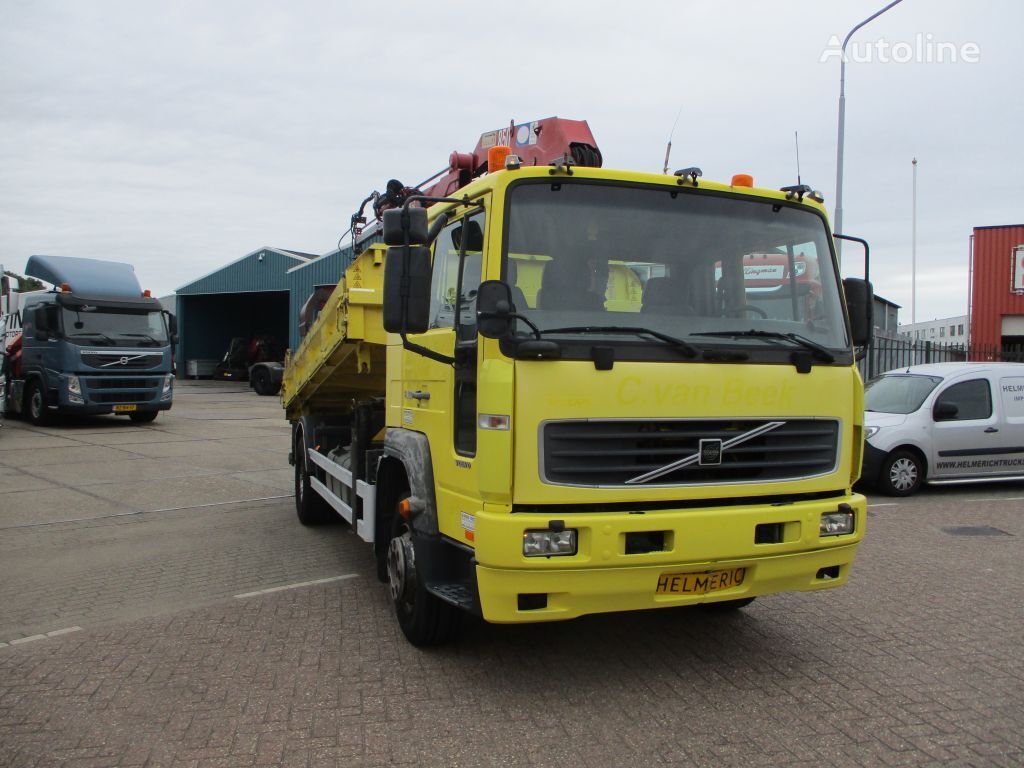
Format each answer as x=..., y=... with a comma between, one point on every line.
x=944, y=423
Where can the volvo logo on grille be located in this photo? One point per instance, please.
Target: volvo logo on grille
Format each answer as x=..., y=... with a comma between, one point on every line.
x=710, y=452
x=124, y=361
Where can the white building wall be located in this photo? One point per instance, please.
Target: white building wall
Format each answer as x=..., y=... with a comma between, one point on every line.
x=947, y=330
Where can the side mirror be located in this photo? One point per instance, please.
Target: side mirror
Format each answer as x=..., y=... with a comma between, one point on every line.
x=407, y=288
x=472, y=233
x=398, y=222
x=860, y=300
x=172, y=327
x=494, y=309
x=945, y=411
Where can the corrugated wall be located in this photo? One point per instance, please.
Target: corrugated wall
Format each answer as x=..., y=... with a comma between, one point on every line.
x=262, y=270
x=992, y=296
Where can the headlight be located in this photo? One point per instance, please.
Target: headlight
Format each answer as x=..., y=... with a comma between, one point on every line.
x=168, y=384
x=548, y=543
x=836, y=523
x=869, y=431
x=75, y=389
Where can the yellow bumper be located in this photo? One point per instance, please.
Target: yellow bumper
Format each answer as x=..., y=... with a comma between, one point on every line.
x=602, y=578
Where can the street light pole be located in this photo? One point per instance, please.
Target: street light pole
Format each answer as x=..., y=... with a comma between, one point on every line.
x=913, y=249
x=842, y=123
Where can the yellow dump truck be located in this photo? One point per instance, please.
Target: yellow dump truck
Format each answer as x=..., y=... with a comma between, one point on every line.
x=564, y=391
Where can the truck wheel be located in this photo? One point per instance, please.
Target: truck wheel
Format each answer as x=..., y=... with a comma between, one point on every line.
x=309, y=505
x=35, y=405
x=902, y=474
x=425, y=619
x=260, y=379
x=143, y=417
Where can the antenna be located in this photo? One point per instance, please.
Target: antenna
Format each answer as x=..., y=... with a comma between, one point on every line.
x=796, y=139
x=668, y=149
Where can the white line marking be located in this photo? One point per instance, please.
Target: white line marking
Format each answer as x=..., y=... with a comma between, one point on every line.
x=143, y=512
x=1000, y=498
x=29, y=639
x=296, y=586
x=888, y=504
x=65, y=631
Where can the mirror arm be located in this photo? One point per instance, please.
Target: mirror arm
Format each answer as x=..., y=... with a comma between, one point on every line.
x=425, y=351
x=867, y=251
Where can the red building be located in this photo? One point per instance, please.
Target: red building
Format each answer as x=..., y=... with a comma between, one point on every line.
x=997, y=290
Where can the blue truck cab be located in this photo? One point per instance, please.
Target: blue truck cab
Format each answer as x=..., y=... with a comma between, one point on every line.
x=96, y=344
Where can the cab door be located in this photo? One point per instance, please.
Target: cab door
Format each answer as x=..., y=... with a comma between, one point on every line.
x=439, y=399
x=965, y=430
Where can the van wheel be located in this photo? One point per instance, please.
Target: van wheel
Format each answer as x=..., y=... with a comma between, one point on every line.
x=902, y=474
x=310, y=506
x=424, y=619
x=35, y=405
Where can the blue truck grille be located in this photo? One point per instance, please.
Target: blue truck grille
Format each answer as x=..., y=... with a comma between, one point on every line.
x=119, y=390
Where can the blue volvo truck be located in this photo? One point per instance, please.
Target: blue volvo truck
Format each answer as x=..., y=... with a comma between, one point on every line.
x=95, y=344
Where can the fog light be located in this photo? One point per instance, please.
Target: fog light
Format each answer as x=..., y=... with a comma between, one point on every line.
x=74, y=389
x=168, y=385
x=836, y=523
x=548, y=543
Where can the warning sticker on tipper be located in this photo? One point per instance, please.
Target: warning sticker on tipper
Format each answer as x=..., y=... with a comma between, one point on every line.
x=468, y=521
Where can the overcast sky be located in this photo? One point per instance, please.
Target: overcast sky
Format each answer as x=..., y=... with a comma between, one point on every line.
x=181, y=136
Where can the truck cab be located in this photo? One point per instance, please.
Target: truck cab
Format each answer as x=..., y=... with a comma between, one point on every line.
x=96, y=344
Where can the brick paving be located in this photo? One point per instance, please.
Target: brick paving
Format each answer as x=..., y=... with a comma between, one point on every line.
x=917, y=661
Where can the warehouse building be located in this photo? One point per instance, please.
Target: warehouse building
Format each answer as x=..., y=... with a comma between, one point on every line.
x=244, y=299
x=258, y=295
x=997, y=290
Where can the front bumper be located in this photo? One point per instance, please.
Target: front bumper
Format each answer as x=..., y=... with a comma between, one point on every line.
x=601, y=577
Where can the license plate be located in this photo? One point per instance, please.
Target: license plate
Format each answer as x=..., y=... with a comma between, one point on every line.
x=699, y=583
x=124, y=408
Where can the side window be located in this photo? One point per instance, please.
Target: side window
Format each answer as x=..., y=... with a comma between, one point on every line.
x=443, y=279
x=469, y=238
x=973, y=399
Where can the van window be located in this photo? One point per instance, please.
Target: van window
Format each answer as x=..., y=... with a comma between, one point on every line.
x=973, y=399
x=901, y=393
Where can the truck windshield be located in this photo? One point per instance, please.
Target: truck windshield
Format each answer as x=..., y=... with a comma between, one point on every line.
x=97, y=326
x=898, y=393
x=696, y=266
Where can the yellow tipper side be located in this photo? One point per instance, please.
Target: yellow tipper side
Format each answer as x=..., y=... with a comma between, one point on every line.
x=343, y=355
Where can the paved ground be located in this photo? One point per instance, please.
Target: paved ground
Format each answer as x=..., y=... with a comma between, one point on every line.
x=142, y=536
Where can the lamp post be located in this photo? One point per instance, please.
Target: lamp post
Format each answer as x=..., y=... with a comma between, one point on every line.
x=913, y=248
x=842, y=121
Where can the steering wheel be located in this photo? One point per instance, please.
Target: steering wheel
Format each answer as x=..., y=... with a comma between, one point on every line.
x=751, y=308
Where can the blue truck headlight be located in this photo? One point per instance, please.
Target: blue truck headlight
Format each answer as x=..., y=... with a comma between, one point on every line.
x=547, y=543
x=75, y=389
x=168, y=387
x=836, y=523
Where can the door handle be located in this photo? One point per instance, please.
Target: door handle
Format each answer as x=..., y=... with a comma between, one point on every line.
x=417, y=395
x=991, y=429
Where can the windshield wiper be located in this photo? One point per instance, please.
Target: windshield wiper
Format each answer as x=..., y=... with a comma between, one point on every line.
x=103, y=336
x=688, y=349
x=142, y=336
x=815, y=348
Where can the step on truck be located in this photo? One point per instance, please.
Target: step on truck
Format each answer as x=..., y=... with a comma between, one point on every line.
x=95, y=344
x=555, y=389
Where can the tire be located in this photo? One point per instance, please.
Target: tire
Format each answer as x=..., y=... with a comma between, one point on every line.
x=143, y=417
x=260, y=379
x=425, y=620
x=310, y=506
x=34, y=405
x=726, y=606
x=902, y=474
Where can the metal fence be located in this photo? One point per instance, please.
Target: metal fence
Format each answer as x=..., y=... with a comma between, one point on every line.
x=886, y=354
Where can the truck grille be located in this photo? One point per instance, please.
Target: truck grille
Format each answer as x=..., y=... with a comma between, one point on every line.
x=117, y=390
x=607, y=453
x=112, y=361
